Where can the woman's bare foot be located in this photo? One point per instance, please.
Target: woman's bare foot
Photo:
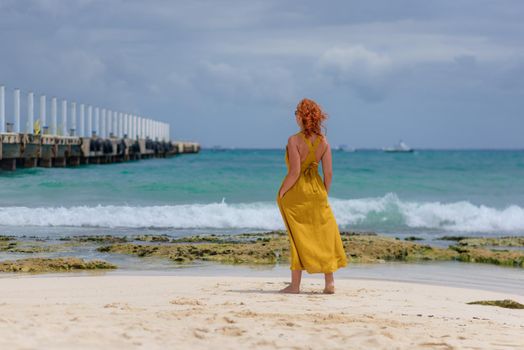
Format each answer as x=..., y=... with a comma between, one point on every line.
x=291, y=289
x=329, y=289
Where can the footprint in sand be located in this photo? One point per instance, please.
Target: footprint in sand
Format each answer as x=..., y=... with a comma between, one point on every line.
x=435, y=345
x=229, y=320
x=200, y=333
x=186, y=301
x=231, y=331
x=120, y=306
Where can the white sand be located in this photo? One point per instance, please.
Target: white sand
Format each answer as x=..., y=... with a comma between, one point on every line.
x=159, y=312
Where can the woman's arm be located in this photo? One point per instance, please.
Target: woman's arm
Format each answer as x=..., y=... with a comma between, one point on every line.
x=294, y=166
x=327, y=167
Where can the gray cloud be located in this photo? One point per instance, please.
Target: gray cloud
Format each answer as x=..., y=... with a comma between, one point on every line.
x=365, y=71
x=234, y=65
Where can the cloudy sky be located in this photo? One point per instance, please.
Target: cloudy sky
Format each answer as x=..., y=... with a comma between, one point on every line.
x=439, y=74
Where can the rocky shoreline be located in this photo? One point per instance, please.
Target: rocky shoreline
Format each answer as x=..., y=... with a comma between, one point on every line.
x=41, y=265
x=267, y=248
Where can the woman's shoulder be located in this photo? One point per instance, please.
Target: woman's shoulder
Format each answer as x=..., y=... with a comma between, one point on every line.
x=323, y=139
x=294, y=137
x=323, y=144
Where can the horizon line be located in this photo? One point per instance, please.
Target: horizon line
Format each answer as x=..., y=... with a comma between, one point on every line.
x=227, y=148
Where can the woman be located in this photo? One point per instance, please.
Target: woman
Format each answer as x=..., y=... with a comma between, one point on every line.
x=315, y=242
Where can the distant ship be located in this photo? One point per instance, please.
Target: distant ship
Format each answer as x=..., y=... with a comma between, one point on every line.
x=345, y=148
x=401, y=147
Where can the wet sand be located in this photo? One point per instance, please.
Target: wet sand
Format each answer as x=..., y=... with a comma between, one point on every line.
x=158, y=312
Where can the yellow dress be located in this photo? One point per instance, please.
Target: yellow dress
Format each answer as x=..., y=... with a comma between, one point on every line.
x=315, y=242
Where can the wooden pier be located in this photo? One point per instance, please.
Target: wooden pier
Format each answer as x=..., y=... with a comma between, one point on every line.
x=28, y=151
x=99, y=136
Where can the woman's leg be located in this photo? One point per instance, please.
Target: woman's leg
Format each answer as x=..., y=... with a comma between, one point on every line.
x=296, y=277
x=330, y=283
x=294, y=287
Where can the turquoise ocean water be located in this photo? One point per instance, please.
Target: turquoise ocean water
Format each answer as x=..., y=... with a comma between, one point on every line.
x=428, y=193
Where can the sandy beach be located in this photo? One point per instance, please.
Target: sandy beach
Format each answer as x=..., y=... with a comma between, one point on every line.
x=158, y=312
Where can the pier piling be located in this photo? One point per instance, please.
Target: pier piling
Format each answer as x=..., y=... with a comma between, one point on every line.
x=100, y=137
x=16, y=100
x=42, y=118
x=2, y=111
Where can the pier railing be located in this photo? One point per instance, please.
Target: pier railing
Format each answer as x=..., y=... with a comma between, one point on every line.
x=81, y=134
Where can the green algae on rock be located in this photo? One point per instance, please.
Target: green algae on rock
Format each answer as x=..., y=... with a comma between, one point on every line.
x=363, y=248
x=238, y=238
x=260, y=252
x=152, y=238
x=451, y=238
x=497, y=257
x=6, y=246
x=413, y=238
x=357, y=233
x=269, y=248
x=202, y=239
x=29, y=247
x=507, y=241
x=506, y=303
x=95, y=239
x=37, y=265
x=6, y=238
x=273, y=247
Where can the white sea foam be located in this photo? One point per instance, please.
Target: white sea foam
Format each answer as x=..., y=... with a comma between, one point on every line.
x=458, y=216
x=368, y=213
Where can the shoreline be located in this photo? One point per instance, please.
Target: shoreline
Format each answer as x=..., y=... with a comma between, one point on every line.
x=432, y=274
x=445, y=274
x=487, y=263
x=200, y=312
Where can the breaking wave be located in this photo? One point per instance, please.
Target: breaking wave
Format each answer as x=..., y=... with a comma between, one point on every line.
x=388, y=212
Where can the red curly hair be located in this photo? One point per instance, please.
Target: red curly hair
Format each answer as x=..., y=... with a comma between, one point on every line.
x=311, y=116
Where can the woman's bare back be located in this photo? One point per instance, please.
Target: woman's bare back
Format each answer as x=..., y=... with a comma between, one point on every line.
x=303, y=148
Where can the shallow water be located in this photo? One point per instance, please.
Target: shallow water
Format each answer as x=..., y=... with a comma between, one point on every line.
x=454, y=274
